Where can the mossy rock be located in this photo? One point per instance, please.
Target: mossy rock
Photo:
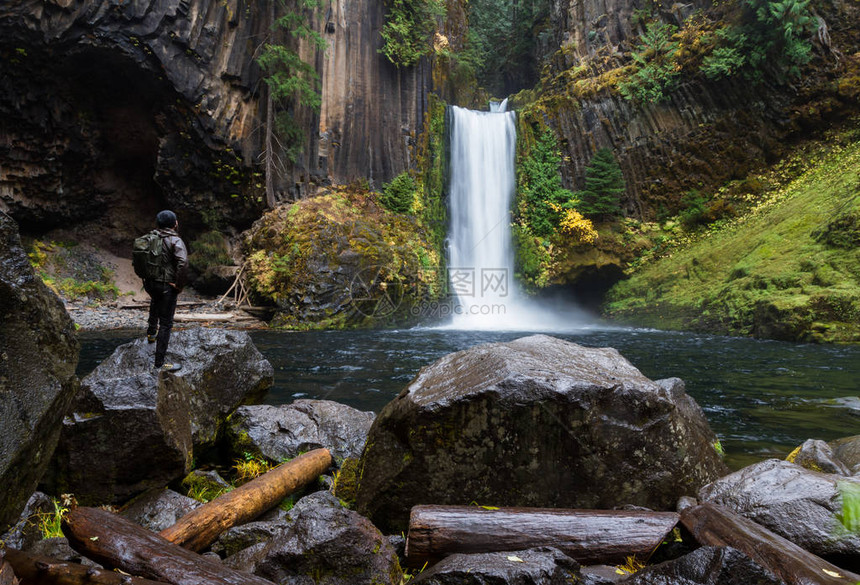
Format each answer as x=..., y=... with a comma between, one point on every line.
x=346, y=482
x=340, y=260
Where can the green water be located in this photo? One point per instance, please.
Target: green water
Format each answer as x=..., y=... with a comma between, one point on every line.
x=762, y=398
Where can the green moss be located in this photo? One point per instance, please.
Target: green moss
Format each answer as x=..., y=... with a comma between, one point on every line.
x=201, y=488
x=327, y=262
x=208, y=250
x=70, y=272
x=772, y=272
x=346, y=481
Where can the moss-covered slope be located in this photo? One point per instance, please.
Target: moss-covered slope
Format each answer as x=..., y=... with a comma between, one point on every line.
x=788, y=269
x=339, y=260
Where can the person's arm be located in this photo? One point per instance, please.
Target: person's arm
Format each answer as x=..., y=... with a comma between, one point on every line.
x=180, y=253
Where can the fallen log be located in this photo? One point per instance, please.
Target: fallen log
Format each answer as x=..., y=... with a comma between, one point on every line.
x=113, y=541
x=589, y=536
x=200, y=527
x=203, y=317
x=714, y=525
x=41, y=570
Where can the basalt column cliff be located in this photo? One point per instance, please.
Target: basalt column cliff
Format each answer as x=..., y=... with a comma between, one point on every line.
x=111, y=110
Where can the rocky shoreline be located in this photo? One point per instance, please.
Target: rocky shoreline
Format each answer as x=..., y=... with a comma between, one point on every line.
x=191, y=310
x=484, y=429
x=498, y=432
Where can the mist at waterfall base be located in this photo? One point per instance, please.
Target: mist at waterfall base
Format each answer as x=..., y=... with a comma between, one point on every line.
x=480, y=243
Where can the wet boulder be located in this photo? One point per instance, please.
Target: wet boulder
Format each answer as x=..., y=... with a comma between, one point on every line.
x=535, y=422
x=244, y=536
x=133, y=428
x=25, y=532
x=38, y=357
x=282, y=432
x=158, y=509
x=817, y=455
x=799, y=504
x=58, y=548
x=705, y=566
x=326, y=544
x=537, y=566
x=847, y=451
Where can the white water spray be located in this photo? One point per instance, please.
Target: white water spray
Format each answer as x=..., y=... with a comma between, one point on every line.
x=481, y=255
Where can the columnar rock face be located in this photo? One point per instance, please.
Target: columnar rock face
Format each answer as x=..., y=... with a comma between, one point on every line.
x=535, y=422
x=704, y=133
x=371, y=110
x=116, y=110
x=133, y=428
x=38, y=356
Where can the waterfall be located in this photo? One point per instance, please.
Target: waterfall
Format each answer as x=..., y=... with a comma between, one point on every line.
x=480, y=248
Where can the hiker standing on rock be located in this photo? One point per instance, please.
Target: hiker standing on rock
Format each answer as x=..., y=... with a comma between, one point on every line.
x=161, y=260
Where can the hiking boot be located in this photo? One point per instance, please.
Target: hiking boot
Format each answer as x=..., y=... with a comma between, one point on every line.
x=168, y=367
x=150, y=338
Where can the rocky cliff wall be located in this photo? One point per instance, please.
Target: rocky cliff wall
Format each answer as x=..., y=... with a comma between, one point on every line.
x=112, y=110
x=705, y=133
x=371, y=110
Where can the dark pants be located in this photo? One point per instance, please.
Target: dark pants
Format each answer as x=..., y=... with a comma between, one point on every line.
x=162, y=305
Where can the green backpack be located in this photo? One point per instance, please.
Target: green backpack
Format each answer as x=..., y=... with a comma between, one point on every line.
x=147, y=257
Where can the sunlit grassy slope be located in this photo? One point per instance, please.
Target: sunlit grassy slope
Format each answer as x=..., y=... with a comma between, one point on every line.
x=787, y=269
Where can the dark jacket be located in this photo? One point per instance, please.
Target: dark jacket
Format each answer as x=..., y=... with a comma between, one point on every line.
x=175, y=256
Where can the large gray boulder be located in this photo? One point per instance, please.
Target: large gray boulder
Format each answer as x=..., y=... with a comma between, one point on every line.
x=38, y=357
x=282, y=432
x=325, y=544
x=134, y=429
x=535, y=422
x=799, y=504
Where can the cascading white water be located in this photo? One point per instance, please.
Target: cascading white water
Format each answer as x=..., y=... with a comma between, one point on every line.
x=481, y=255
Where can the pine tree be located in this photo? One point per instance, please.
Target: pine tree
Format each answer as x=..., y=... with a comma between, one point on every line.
x=291, y=83
x=604, y=184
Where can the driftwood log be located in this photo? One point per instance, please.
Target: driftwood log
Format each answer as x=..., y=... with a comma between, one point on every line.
x=41, y=570
x=202, y=526
x=714, y=525
x=589, y=536
x=113, y=541
x=182, y=317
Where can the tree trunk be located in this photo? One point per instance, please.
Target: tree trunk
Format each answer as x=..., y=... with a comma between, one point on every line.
x=589, y=536
x=714, y=525
x=200, y=527
x=270, y=131
x=41, y=570
x=270, y=148
x=116, y=542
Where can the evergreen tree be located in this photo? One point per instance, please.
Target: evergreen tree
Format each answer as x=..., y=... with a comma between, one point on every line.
x=408, y=28
x=291, y=82
x=604, y=184
x=542, y=196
